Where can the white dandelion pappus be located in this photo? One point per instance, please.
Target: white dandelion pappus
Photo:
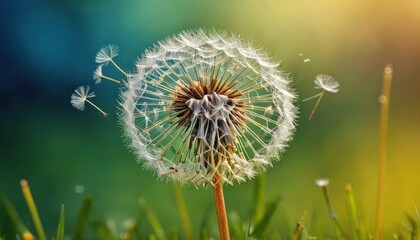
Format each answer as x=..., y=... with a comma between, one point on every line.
x=327, y=83
x=322, y=182
x=106, y=54
x=79, y=97
x=204, y=103
x=97, y=74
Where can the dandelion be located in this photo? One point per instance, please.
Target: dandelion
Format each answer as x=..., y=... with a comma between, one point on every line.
x=206, y=108
x=80, y=97
x=203, y=108
x=327, y=84
x=201, y=104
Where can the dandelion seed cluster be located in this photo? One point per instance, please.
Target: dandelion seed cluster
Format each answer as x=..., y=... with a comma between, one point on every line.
x=203, y=103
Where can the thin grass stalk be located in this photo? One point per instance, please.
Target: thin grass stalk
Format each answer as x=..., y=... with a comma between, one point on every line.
x=153, y=220
x=298, y=231
x=219, y=202
x=357, y=227
x=183, y=212
x=384, y=100
x=333, y=216
x=17, y=221
x=82, y=218
x=60, y=230
x=259, y=198
x=32, y=209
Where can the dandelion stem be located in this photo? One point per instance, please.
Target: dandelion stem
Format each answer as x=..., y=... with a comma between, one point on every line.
x=383, y=145
x=333, y=216
x=100, y=110
x=316, y=105
x=112, y=61
x=32, y=209
x=111, y=79
x=219, y=203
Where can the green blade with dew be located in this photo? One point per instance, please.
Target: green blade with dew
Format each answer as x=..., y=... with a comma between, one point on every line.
x=269, y=213
x=153, y=220
x=82, y=218
x=60, y=230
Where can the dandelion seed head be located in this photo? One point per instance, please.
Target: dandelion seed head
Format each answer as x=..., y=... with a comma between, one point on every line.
x=202, y=103
x=326, y=82
x=78, y=98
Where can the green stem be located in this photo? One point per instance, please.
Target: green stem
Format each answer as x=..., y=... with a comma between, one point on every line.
x=383, y=147
x=32, y=209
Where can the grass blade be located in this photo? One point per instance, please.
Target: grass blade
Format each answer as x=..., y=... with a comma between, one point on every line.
x=102, y=231
x=269, y=212
x=132, y=229
x=60, y=230
x=82, y=218
x=357, y=226
x=204, y=234
x=183, y=212
x=154, y=221
x=259, y=199
x=236, y=226
x=32, y=209
x=383, y=148
x=17, y=221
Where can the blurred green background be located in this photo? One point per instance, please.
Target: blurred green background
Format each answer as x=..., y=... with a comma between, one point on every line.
x=47, y=49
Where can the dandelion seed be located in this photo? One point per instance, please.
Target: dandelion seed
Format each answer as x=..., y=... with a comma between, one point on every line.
x=306, y=60
x=322, y=182
x=206, y=104
x=106, y=54
x=97, y=76
x=80, y=97
x=327, y=83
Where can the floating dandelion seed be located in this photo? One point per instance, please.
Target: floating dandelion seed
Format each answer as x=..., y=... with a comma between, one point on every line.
x=322, y=182
x=106, y=54
x=327, y=84
x=97, y=76
x=201, y=104
x=80, y=97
